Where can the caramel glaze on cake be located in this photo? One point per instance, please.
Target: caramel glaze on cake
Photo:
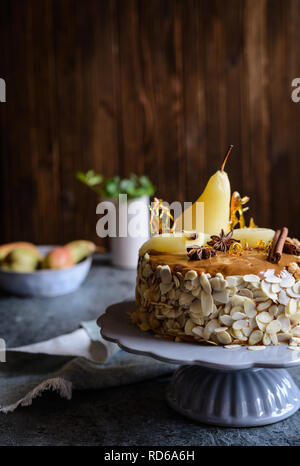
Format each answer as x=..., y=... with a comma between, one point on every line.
x=251, y=262
x=223, y=300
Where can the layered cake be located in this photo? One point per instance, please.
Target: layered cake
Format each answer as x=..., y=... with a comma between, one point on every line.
x=238, y=287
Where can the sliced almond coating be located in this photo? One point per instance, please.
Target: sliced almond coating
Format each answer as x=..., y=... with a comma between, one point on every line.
x=198, y=331
x=266, y=339
x=235, y=309
x=165, y=274
x=258, y=294
x=232, y=346
x=206, y=303
x=217, y=284
x=215, y=312
x=188, y=285
x=250, y=309
x=171, y=313
x=224, y=338
x=273, y=310
x=238, y=300
x=196, y=319
x=227, y=308
x=226, y=320
x=251, y=278
x=275, y=288
x=252, y=323
x=270, y=277
x=232, y=290
x=195, y=307
x=165, y=287
x=196, y=282
x=238, y=315
x=256, y=348
x=246, y=331
x=264, y=317
x=147, y=271
x=209, y=328
x=285, y=274
x=274, y=339
x=260, y=325
x=261, y=300
x=188, y=328
x=171, y=294
x=283, y=298
x=296, y=331
x=264, y=305
x=221, y=297
x=290, y=292
x=254, y=286
x=255, y=337
x=287, y=282
x=221, y=329
x=266, y=288
x=273, y=327
x=239, y=335
x=296, y=340
x=190, y=275
x=296, y=287
x=176, y=281
x=205, y=283
x=246, y=292
x=185, y=299
x=294, y=348
x=234, y=280
x=283, y=337
x=239, y=324
x=196, y=292
x=291, y=308
x=285, y=323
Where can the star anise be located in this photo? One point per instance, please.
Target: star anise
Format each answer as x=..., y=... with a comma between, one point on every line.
x=222, y=242
x=200, y=252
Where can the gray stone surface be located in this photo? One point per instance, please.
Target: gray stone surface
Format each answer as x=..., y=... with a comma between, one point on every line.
x=132, y=415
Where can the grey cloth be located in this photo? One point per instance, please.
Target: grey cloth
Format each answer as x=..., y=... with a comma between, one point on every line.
x=27, y=374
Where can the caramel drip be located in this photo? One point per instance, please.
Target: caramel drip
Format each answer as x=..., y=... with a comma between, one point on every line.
x=251, y=262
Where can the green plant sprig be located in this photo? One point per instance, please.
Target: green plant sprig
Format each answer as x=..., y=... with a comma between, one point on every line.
x=134, y=186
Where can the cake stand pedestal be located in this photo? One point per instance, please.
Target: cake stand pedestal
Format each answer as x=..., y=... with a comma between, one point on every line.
x=214, y=385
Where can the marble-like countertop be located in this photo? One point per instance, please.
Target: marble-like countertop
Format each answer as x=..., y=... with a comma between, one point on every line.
x=132, y=415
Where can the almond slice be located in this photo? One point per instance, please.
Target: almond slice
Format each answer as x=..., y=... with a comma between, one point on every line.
x=255, y=337
x=251, y=278
x=256, y=348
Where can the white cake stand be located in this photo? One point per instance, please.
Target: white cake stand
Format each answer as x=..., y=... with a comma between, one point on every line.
x=214, y=385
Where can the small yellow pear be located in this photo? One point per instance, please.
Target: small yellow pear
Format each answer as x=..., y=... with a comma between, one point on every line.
x=172, y=243
x=252, y=236
x=216, y=198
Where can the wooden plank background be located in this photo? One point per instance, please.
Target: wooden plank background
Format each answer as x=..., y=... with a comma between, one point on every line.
x=159, y=87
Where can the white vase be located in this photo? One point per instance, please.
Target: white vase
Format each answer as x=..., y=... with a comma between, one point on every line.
x=124, y=250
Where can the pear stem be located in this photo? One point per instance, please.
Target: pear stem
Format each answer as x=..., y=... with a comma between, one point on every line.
x=226, y=157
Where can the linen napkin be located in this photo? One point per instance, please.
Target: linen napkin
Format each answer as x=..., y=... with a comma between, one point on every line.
x=76, y=361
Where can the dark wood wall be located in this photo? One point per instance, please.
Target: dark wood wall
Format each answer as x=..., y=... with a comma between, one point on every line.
x=159, y=87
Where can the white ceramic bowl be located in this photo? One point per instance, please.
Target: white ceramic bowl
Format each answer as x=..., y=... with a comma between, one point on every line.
x=48, y=282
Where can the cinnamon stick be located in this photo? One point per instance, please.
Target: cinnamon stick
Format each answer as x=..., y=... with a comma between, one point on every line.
x=277, y=245
x=273, y=245
x=290, y=248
